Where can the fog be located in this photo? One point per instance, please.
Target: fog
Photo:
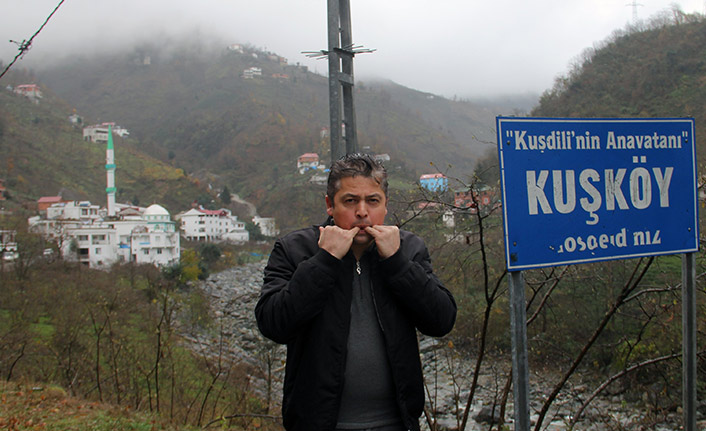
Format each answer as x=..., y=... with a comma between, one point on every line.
x=453, y=48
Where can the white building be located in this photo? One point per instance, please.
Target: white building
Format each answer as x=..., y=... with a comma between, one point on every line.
x=382, y=158
x=8, y=245
x=252, y=72
x=98, y=133
x=82, y=211
x=199, y=224
x=267, y=226
x=83, y=233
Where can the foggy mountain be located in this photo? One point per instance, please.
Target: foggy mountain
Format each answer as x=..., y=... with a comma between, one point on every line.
x=192, y=100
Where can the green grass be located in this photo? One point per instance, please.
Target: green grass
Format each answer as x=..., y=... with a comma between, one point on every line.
x=43, y=328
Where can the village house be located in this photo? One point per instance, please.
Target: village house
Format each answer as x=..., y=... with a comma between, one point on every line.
x=434, y=182
x=471, y=200
x=8, y=244
x=199, y=224
x=252, y=72
x=98, y=133
x=75, y=119
x=46, y=201
x=267, y=226
x=281, y=60
x=382, y=158
x=309, y=161
x=73, y=210
x=31, y=91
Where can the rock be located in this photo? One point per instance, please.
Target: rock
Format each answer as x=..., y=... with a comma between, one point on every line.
x=488, y=415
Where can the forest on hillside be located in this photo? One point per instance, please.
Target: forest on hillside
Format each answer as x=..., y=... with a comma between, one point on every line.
x=655, y=69
x=44, y=154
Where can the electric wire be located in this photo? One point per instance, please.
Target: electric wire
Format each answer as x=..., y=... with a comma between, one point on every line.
x=25, y=45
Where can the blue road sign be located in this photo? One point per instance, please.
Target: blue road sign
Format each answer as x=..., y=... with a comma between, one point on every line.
x=587, y=190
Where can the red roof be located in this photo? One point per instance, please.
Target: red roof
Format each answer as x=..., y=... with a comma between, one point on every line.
x=50, y=199
x=221, y=213
x=309, y=156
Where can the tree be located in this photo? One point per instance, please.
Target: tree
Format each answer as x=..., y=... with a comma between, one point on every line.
x=206, y=201
x=209, y=253
x=225, y=196
x=254, y=231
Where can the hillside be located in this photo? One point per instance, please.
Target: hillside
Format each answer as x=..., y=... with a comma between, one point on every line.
x=656, y=71
x=189, y=105
x=44, y=154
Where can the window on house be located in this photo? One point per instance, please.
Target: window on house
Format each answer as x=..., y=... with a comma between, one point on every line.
x=98, y=251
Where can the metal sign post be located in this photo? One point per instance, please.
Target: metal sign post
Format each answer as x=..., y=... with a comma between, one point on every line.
x=520, y=367
x=689, y=340
x=589, y=190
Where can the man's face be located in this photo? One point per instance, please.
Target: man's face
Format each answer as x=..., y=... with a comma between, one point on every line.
x=360, y=202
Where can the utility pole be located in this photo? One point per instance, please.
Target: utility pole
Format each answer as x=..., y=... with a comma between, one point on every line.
x=340, y=80
x=340, y=53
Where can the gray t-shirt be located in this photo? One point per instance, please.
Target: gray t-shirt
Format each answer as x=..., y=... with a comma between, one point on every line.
x=368, y=398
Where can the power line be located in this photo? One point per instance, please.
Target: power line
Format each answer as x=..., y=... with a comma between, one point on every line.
x=25, y=45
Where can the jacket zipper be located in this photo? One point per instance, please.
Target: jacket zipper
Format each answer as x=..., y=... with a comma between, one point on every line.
x=403, y=416
x=358, y=271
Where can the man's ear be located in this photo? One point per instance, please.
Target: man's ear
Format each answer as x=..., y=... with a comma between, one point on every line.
x=329, y=206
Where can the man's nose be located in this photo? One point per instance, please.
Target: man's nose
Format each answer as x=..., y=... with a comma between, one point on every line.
x=361, y=210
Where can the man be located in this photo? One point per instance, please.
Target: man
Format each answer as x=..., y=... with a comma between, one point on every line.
x=347, y=298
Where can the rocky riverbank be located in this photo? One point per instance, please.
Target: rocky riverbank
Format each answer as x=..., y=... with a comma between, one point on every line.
x=233, y=294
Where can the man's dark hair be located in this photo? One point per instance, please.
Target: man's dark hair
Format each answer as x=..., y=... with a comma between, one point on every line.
x=354, y=165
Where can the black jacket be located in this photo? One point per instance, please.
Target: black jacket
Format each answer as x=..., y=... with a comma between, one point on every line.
x=305, y=303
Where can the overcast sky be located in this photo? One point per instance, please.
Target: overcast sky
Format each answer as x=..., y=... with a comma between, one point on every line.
x=447, y=47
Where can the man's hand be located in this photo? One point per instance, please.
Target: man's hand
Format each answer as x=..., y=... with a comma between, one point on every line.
x=387, y=239
x=335, y=240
